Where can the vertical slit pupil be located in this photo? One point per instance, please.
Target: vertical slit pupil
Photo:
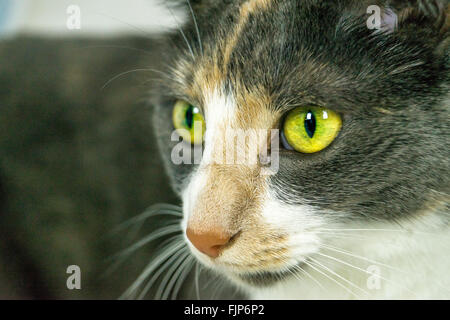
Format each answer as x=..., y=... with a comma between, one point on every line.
x=189, y=117
x=310, y=124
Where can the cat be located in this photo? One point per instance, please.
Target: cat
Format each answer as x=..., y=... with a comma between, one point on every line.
x=357, y=207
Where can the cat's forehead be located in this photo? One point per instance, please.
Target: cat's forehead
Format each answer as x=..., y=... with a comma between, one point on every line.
x=297, y=52
x=249, y=52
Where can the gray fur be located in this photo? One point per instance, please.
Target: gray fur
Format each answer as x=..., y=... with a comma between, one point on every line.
x=390, y=160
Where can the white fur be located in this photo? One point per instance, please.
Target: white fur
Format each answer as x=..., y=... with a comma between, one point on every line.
x=218, y=108
x=412, y=259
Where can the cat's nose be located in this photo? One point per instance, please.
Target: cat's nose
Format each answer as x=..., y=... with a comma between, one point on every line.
x=210, y=242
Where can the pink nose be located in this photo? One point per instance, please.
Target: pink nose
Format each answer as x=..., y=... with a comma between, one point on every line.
x=209, y=243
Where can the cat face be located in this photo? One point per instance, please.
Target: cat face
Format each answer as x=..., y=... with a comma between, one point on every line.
x=362, y=120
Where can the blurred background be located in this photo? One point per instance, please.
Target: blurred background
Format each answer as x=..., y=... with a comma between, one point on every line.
x=105, y=18
x=77, y=157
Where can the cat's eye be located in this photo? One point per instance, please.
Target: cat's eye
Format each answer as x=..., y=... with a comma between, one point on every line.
x=189, y=122
x=310, y=129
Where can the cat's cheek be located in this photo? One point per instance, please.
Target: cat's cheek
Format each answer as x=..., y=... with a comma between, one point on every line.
x=300, y=223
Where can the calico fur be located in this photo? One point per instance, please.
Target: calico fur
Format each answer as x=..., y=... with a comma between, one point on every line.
x=379, y=192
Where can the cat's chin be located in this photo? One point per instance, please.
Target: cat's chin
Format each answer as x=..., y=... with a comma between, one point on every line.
x=264, y=278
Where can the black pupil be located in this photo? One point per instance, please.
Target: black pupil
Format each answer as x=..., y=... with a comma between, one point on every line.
x=310, y=124
x=189, y=117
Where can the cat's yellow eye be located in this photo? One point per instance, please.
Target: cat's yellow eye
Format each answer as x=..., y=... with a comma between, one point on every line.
x=311, y=129
x=189, y=122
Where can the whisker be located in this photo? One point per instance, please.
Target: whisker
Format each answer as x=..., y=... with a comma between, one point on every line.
x=170, y=278
x=361, y=257
x=197, y=275
x=149, y=238
x=307, y=274
x=365, y=271
x=181, y=31
x=215, y=276
x=375, y=262
x=176, y=245
x=187, y=269
x=390, y=230
x=196, y=27
x=145, y=33
x=121, y=256
x=339, y=276
x=156, y=80
x=155, y=210
x=340, y=236
x=159, y=272
x=310, y=264
x=117, y=47
x=132, y=233
x=218, y=287
x=362, y=237
x=128, y=72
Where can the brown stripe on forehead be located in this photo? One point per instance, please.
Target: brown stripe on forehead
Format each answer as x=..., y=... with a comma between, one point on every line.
x=210, y=72
x=247, y=8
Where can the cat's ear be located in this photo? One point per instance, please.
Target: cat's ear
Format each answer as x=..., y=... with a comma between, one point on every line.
x=425, y=21
x=428, y=17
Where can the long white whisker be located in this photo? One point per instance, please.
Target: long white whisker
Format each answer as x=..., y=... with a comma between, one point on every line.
x=145, y=33
x=374, y=262
x=149, y=238
x=341, y=236
x=150, y=212
x=388, y=230
x=339, y=276
x=172, y=275
x=310, y=264
x=337, y=235
x=197, y=275
x=218, y=287
x=196, y=26
x=168, y=252
x=362, y=270
x=307, y=274
x=121, y=256
x=182, y=277
x=127, y=72
x=181, y=31
x=117, y=47
x=159, y=272
x=213, y=277
x=361, y=257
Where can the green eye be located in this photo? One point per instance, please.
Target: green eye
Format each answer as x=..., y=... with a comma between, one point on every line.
x=189, y=122
x=311, y=129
